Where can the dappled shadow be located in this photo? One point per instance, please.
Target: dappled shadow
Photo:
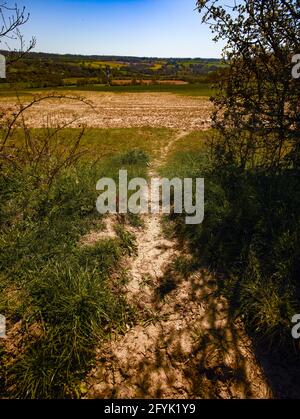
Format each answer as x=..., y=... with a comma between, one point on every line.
x=167, y=286
x=188, y=347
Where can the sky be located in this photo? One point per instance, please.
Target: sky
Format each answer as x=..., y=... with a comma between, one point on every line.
x=152, y=28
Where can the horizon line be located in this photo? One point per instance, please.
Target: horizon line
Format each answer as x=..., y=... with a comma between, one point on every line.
x=116, y=55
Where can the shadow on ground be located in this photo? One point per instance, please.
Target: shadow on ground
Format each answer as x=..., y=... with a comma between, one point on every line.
x=187, y=347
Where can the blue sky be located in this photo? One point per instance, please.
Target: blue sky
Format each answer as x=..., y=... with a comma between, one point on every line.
x=160, y=28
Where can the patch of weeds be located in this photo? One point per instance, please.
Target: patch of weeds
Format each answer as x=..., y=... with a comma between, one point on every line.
x=127, y=240
x=147, y=280
x=185, y=266
x=133, y=157
x=135, y=220
x=168, y=227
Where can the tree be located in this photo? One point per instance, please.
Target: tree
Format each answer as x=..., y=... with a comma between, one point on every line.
x=258, y=108
x=32, y=149
x=12, y=19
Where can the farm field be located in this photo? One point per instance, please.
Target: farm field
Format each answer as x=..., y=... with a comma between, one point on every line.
x=53, y=70
x=156, y=110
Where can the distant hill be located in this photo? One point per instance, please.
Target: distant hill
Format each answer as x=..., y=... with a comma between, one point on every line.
x=43, y=69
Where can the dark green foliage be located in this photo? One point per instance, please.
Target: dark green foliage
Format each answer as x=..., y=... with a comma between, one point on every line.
x=257, y=106
x=251, y=231
x=251, y=237
x=256, y=243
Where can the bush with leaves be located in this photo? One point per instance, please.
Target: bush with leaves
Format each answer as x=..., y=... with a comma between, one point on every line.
x=252, y=227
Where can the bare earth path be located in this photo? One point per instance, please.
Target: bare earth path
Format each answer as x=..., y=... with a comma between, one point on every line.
x=186, y=346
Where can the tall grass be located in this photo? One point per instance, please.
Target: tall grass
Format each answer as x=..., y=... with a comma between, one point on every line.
x=251, y=237
x=57, y=294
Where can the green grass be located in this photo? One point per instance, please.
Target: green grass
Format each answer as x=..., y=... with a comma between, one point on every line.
x=186, y=156
x=249, y=237
x=58, y=294
x=201, y=90
x=107, y=142
x=102, y=144
x=62, y=287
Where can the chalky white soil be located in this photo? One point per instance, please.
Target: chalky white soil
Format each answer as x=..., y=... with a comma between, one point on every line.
x=126, y=110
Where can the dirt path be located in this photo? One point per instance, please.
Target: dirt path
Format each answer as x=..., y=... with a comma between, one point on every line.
x=186, y=346
x=154, y=251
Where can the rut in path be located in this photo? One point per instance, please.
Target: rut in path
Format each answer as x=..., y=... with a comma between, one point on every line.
x=187, y=347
